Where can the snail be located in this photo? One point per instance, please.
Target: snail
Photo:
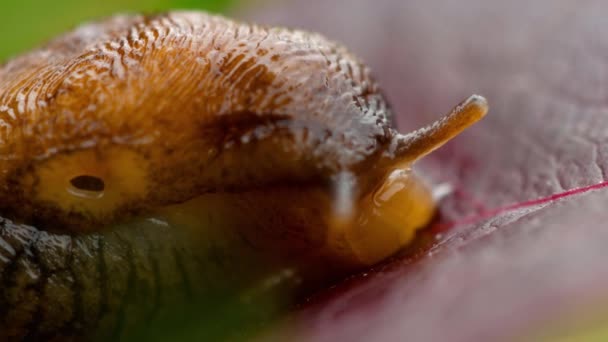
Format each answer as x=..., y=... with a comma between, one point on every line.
x=158, y=152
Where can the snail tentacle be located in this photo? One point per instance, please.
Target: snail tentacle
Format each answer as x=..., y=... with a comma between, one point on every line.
x=415, y=145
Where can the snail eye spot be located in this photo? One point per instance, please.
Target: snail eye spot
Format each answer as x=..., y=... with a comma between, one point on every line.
x=88, y=183
x=86, y=186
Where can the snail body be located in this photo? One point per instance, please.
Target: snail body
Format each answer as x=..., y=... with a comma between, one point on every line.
x=275, y=137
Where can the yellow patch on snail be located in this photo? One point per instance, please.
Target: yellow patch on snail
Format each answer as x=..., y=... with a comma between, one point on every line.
x=90, y=182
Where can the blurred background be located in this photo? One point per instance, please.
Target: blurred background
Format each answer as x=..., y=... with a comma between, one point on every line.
x=27, y=23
